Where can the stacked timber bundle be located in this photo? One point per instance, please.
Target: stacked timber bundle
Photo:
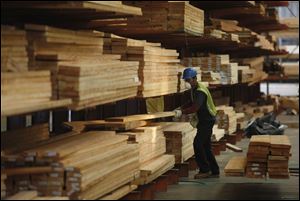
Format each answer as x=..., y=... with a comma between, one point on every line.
x=78, y=66
x=151, y=145
x=49, y=47
x=24, y=138
x=229, y=73
x=158, y=67
x=226, y=25
x=278, y=160
x=217, y=133
x=14, y=56
x=257, y=156
x=162, y=17
x=211, y=77
x=19, y=89
x=236, y=166
x=179, y=139
x=226, y=119
x=101, y=164
x=245, y=74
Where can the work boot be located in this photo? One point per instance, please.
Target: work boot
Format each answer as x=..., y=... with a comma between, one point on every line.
x=202, y=175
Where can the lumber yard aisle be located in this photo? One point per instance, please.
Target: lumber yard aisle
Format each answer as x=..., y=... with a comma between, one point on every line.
x=94, y=100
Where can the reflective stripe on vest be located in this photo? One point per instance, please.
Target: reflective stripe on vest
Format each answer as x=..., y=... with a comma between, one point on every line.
x=209, y=101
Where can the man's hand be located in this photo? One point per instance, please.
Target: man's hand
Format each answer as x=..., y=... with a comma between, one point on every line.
x=178, y=113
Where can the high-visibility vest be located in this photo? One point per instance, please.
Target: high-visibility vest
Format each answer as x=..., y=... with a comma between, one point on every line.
x=209, y=101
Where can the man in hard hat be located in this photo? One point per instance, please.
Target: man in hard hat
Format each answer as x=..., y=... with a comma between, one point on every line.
x=203, y=107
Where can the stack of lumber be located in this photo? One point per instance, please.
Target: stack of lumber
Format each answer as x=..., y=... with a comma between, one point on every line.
x=24, y=92
x=241, y=121
x=78, y=66
x=226, y=25
x=101, y=164
x=24, y=138
x=226, y=119
x=49, y=47
x=151, y=145
x=24, y=88
x=245, y=74
x=151, y=142
x=278, y=160
x=217, y=133
x=253, y=39
x=229, y=73
x=93, y=84
x=158, y=67
x=3, y=186
x=211, y=77
x=33, y=195
x=210, y=31
x=154, y=168
x=236, y=166
x=179, y=139
x=152, y=148
x=14, y=56
x=257, y=156
x=159, y=18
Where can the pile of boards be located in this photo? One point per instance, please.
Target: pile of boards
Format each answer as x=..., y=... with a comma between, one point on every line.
x=151, y=144
x=251, y=109
x=24, y=138
x=79, y=68
x=255, y=65
x=14, y=56
x=226, y=119
x=157, y=67
x=236, y=166
x=268, y=154
x=20, y=89
x=179, y=139
x=257, y=156
x=102, y=163
x=160, y=18
x=278, y=160
x=215, y=69
x=211, y=31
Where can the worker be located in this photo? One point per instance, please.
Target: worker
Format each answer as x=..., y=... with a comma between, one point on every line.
x=204, y=110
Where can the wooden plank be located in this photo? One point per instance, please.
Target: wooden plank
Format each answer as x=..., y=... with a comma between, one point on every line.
x=23, y=171
x=236, y=164
x=141, y=117
x=124, y=126
x=233, y=148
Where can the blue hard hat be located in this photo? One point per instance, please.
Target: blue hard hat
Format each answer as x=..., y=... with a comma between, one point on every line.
x=189, y=73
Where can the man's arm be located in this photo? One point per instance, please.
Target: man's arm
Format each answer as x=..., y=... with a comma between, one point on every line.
x=195, y=106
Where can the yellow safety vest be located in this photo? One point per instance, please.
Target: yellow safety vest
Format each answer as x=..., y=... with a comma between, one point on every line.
x=209, y=101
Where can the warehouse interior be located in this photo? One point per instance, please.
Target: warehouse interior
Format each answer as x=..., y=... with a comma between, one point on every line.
x=93, y=95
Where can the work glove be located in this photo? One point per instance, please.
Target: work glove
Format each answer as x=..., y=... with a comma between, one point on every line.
x=178, y=113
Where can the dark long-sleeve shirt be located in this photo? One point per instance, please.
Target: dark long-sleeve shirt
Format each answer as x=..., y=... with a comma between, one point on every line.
x=198, y=106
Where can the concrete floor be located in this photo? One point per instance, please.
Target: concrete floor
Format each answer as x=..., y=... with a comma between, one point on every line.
x=240, y=188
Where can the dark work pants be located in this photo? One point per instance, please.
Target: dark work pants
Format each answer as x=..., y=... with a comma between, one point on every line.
x=202, y=147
